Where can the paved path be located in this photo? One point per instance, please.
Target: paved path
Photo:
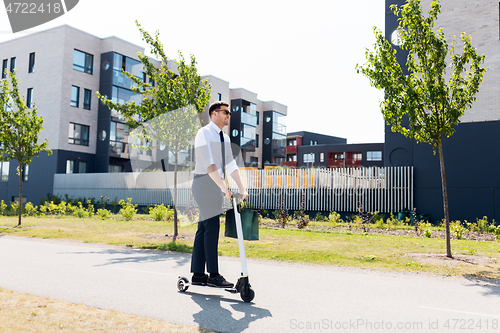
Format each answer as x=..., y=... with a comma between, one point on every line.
x=289, y=297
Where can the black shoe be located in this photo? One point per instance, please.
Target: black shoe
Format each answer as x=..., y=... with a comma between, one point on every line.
x=199, y=280
x=219, y=282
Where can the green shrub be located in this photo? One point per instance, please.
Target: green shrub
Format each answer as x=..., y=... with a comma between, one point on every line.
x=483, y=225
x=14, y=206
x=334, y=218
x=457, y=228
x=48, y=207
x=90, y=208
x=3, y=206
x=30, y=209
x=427, y=233
x=128, y=209
x=319, y=217
x=158, y=212
x=80, y=211
x=103, y=213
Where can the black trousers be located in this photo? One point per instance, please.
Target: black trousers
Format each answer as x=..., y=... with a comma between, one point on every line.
x=209, y=198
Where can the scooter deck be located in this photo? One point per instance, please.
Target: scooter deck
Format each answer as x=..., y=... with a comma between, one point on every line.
x=190, y=284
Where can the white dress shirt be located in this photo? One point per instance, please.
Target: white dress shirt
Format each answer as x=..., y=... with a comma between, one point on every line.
x=208, y=150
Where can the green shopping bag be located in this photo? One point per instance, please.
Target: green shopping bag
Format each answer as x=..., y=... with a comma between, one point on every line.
x=249, y=224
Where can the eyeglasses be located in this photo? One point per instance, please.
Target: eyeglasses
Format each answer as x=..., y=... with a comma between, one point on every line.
x=226, y=111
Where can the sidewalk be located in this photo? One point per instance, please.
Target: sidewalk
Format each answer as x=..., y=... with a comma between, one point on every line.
x=289, y=297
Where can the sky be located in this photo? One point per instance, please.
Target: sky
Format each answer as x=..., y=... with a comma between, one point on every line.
x=298, y=53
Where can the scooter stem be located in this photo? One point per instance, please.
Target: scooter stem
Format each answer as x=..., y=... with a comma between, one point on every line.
x=241, y=245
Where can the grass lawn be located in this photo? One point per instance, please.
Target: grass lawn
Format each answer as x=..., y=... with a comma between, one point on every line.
x=26, y=313
x=311, y=245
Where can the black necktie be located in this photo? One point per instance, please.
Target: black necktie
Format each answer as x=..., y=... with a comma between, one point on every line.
x=223, y=154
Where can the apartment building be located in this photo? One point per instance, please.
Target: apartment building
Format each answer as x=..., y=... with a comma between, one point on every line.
x=306, y=149
x=62, y=68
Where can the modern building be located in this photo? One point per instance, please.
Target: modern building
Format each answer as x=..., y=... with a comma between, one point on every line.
x=257, y=127
x=472, y=154
x=307, y=149
x=62, y=68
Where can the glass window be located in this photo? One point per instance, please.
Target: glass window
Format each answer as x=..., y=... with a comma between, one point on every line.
x=82, y=167
x=75, y=96
x=4, y=67
x=78, y=134
x=12, y=64
x=70, y=166
x=257, y=114
x=87, y=98
x=26, y=170
x=29, y=98
x=357, y=156
x=321, y=157
x=83, y=62
x=374, y=156
x=308, y=158
x=219, y=96
x=115, y=168
x=4, y=171
x=256, y=141
x=31, y=65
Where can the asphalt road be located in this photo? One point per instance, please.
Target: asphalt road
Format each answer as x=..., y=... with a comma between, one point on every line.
x=289, y=297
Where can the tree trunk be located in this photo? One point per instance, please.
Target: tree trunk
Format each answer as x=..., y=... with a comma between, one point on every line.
x=445, y=199
x=20, y=194
x=175, y=199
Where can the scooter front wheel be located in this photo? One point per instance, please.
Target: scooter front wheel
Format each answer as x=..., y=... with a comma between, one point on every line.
x=181, y=284
x=248, y=296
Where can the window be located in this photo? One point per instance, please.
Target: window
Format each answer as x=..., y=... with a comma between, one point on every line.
x=374, y=156
x=83, y=62
x=78, y=134
x=321, y=157
x=26, y=169
x=256, y=141
x=357, y=156
x=12, y=64
x=70, y=166
x=257, y=114
x=219, y=96
x=29, y=98
x=82, y=167
x=31, y=65
x=308, y=158
x=4, y=171
x=75, y=96
x=115, y=168
x=339, y=156
x=4, y=68
x=87, y=99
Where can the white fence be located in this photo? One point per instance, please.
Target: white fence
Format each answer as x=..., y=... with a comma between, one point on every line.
x=387, y=189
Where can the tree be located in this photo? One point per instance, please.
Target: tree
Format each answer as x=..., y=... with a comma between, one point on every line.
x=19, y=130
x=170, y=92
x=425, y=104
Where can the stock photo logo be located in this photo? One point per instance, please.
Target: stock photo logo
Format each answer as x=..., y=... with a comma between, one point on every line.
x=28, y=14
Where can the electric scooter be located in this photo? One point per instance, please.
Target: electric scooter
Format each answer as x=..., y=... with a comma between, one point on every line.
x=242, y=285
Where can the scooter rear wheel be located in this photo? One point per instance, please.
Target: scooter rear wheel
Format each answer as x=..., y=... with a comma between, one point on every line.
x=181, y=284
x=248, y=297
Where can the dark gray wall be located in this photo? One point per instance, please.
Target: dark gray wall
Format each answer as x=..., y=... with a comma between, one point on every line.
x=307, y=137
x=471, y=158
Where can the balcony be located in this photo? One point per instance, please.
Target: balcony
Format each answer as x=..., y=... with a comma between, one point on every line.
x=292, y=164
x=279, y=151
x=291, y=149
x=348, y=162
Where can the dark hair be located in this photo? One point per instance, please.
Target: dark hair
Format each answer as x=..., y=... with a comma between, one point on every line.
x=216, y=106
